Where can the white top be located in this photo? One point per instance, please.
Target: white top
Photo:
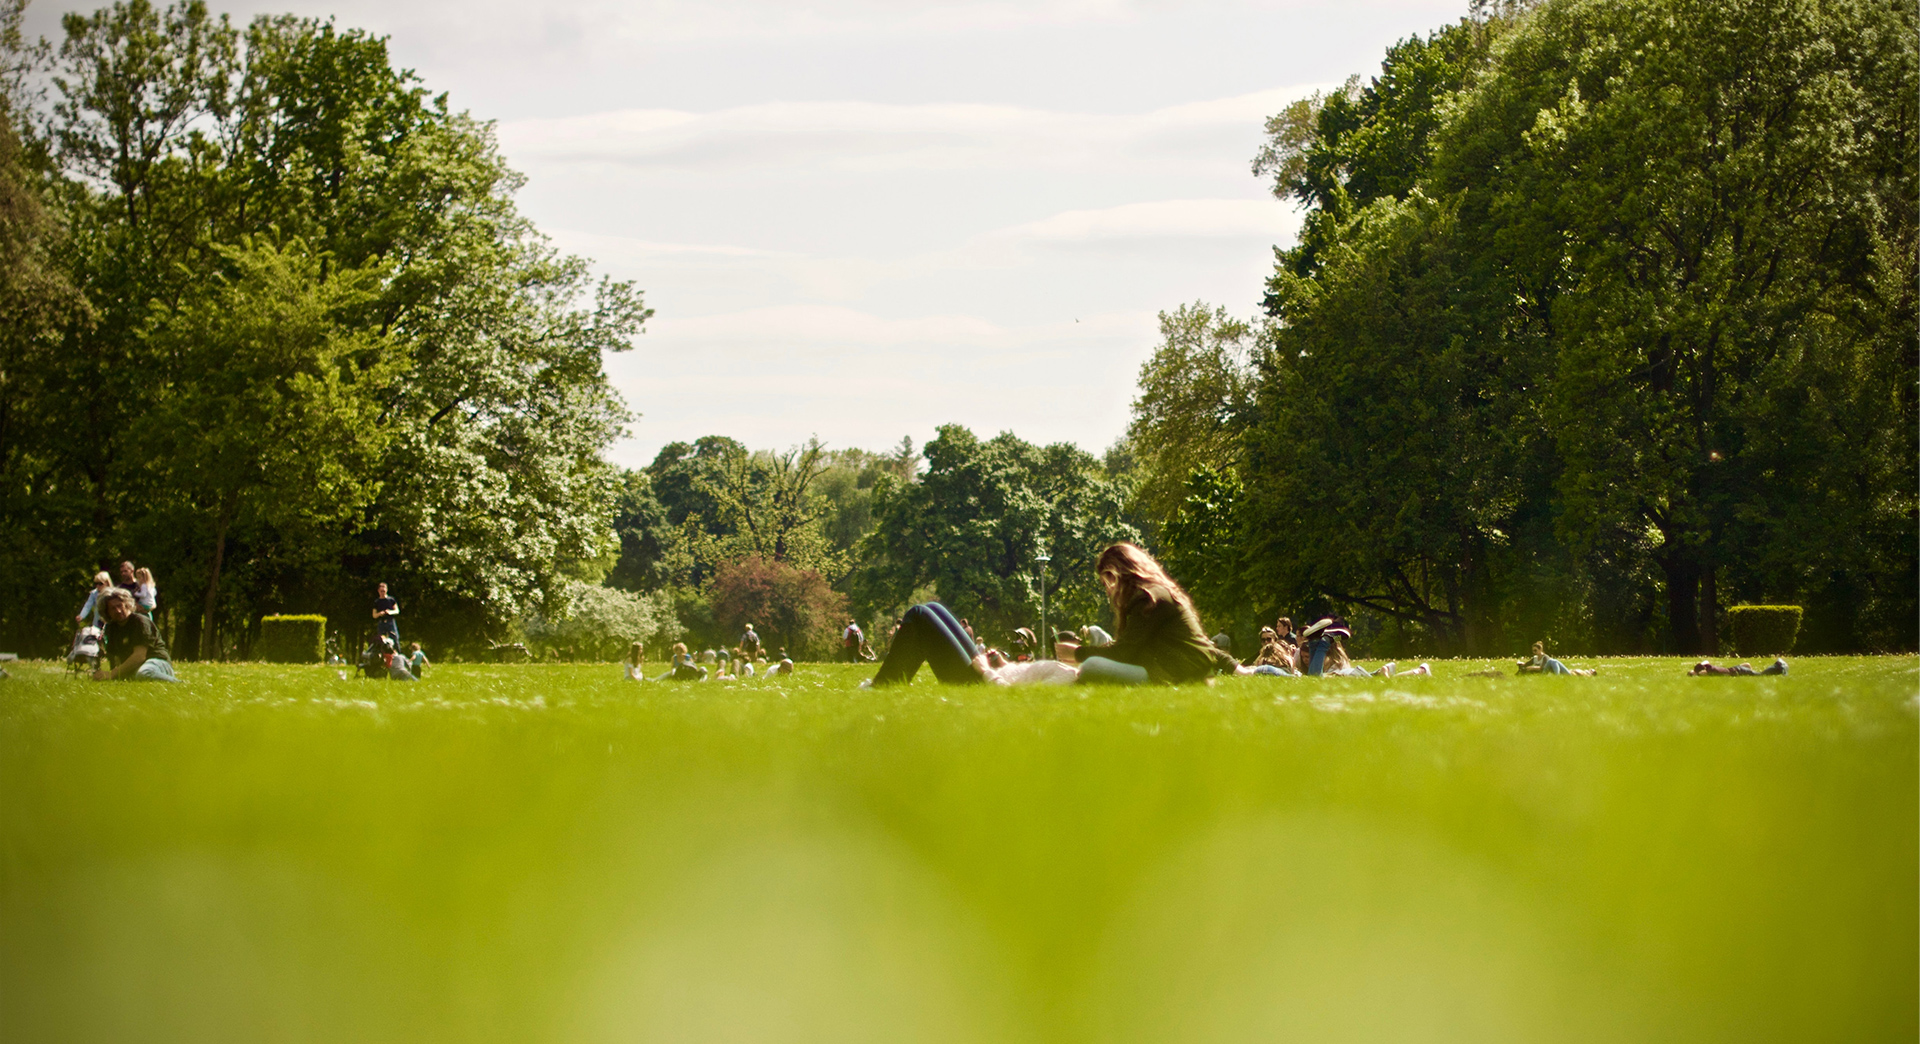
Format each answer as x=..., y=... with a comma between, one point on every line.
x=1038, y=672
x=633, y=672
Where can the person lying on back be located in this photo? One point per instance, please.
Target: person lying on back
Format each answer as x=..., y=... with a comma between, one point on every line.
x=1705, y=667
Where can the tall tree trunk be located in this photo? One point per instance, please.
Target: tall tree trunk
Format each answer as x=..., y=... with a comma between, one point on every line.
x=209, y=641
x=1683, y=612
x=1709, y=613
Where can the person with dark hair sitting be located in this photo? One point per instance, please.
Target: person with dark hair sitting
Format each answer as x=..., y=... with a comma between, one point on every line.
x=930, y=634
x=1541, y=663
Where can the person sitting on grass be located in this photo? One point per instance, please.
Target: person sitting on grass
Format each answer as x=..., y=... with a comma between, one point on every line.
x=1157, y=635
x=134, y=639
x=1541, y=663
x=1273, y=657
x=680, y=666
x=1283, y=633
x=636, y=653
x=393, y=662
x=416, y=660
x=1706, y=667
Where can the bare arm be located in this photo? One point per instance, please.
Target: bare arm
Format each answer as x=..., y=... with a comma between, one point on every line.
x=125, y=667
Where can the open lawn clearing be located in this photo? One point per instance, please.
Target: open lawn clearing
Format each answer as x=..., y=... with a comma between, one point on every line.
x=551, y=853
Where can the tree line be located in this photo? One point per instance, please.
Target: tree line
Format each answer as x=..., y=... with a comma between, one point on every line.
x=275, y=328
x=1601, y=319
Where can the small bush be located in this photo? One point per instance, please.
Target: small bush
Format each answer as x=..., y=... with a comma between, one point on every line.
x=1764, y=630
x=292, y=639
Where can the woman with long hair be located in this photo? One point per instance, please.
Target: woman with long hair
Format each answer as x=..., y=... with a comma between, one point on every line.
x=146, y=593
x=636, y=654
x=1157, y=633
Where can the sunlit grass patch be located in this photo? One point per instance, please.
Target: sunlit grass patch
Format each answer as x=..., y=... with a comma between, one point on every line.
x=553, y=853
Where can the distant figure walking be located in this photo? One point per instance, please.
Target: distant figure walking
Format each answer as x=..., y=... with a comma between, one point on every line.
x=850, y=640
x=385, y=613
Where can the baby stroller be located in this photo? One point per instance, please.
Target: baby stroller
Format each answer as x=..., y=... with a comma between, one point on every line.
x=86, y=651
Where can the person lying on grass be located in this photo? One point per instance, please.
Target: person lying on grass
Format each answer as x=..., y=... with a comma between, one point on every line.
x=143, y=653
x=1705, y=667
x=930, y=634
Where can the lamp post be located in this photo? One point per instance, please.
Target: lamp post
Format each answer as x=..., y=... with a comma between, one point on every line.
x=1045, y=652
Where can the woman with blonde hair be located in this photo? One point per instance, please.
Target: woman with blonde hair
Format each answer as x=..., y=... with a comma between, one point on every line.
x=680, y=666
x=1157, y=633
x=92, y=613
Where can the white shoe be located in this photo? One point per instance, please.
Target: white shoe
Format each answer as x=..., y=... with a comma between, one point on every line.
x=1425, y=669
x=866, y=683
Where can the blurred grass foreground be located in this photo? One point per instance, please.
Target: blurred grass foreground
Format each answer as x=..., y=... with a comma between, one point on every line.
x=553, y=854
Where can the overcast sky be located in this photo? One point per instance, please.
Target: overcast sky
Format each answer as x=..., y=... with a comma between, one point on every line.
x=860, y=220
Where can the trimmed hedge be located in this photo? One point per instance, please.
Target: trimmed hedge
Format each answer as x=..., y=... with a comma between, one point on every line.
x=292, y=639
x=1764, y=630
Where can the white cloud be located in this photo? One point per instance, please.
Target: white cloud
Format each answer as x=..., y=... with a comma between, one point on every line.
x=876, y=137
x=1160, y=220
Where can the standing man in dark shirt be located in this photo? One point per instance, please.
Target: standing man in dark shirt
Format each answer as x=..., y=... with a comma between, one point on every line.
x=136, y=641
x=384, y=612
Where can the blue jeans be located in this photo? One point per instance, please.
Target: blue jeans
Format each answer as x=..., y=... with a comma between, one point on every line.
x=1554, y=666
x=1267, y=668
x=930, y=634
x=1098, y=670
x=154, y=670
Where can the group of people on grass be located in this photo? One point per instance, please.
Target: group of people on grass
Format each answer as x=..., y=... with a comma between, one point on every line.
x=747, y=659
x=117, y=628
x=1157, y=638
x=384, y=657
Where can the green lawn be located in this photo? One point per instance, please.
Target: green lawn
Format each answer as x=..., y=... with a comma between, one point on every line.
x=548, y=853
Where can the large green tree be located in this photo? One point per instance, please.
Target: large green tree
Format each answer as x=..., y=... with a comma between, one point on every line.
x=1600, y=309
x=1724, y=193
x=971, y=528
x=172, y=137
